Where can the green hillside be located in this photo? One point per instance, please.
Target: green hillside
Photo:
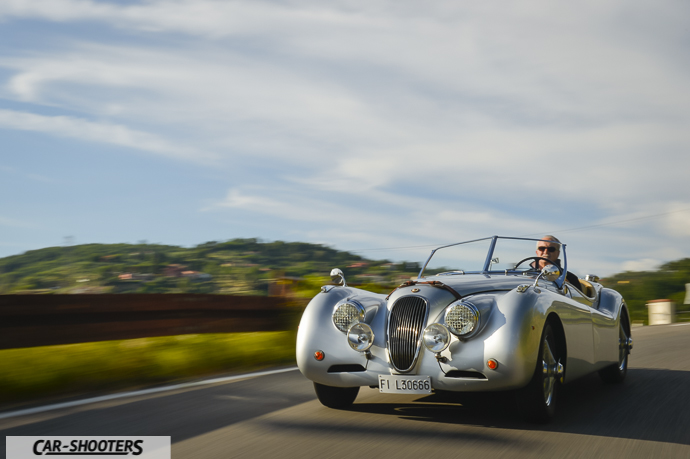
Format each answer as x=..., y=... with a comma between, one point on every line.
x=239, y=266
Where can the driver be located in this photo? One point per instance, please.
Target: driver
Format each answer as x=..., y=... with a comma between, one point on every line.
x=551, y=251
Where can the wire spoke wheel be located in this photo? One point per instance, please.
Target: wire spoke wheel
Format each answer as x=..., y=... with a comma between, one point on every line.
x=623, y=349
x=550, y=369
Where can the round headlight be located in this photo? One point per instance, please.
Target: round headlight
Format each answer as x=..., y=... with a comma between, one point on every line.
x=462, y=318
x=347, y=314
x=360, y=337
x=436, y=338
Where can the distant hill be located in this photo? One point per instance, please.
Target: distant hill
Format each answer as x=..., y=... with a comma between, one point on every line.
x=238, y=266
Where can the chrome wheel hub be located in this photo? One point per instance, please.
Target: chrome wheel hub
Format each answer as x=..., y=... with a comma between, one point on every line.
x=625, y=343
x=553, y=371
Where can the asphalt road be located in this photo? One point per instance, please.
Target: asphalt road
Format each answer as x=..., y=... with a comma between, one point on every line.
x=279, y=416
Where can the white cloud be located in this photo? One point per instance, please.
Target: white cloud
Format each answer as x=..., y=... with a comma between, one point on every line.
x=376, y=217
x=198, y=17
x=516, y=56
x=677, y=221
x=14, y=223
x=646, y=264
x=65, y=126
x=433, y=85
x=290, y=206
x=55, y=10
x=222, y=100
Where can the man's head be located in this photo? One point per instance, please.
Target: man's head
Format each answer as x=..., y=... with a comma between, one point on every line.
x=549, y=250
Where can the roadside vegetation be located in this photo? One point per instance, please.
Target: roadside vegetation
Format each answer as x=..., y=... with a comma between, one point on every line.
x=668, y=282
x=107, y=366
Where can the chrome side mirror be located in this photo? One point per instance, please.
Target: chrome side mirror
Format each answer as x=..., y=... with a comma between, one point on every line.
x=338, y=277
x=550, y=272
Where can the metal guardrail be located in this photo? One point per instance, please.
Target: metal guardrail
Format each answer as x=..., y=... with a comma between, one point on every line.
x=41, y=320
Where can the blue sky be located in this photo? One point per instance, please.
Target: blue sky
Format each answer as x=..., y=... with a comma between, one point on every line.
x=359, y=125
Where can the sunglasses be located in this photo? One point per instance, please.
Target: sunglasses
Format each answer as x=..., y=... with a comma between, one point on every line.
x=548, y=249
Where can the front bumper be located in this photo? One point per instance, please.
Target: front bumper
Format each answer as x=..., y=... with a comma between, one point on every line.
x=465, y=368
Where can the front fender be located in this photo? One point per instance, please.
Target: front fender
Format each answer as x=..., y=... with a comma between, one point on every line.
x=317, y=332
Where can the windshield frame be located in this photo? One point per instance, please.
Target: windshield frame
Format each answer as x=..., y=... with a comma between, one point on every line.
x=487, y=262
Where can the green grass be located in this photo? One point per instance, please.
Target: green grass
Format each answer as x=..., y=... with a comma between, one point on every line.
x=37, y=372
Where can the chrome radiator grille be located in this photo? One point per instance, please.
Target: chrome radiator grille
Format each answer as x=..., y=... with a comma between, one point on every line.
x=405, y=325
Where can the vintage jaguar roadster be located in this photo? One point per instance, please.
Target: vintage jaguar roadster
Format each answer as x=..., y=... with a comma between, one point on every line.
x=481, y=316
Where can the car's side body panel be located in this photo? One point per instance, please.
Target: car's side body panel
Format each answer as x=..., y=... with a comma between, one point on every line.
x=605, y=323
x=577, y=326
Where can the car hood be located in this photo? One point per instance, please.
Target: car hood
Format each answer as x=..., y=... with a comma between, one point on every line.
x=469, y=284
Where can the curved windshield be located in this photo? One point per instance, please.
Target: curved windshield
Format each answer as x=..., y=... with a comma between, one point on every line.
x=490, y=255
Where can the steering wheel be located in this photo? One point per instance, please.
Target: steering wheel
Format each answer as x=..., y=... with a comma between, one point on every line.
x=535, y=259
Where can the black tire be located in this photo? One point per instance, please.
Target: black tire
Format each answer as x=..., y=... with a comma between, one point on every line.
x=615, y=374
x=537, y=401
x=336, y=397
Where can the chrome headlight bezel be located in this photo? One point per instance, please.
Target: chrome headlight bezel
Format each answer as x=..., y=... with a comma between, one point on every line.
x=435, y=334
x=360, y=337
x=459, y=316
x=346, y=313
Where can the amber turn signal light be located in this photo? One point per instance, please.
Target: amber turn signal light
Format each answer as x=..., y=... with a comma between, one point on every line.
x=492, y=364
x=319, y=355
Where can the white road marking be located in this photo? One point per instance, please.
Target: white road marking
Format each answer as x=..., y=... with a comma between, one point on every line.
x=57, y=406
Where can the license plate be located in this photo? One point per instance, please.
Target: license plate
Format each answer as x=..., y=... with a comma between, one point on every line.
x=398, y=384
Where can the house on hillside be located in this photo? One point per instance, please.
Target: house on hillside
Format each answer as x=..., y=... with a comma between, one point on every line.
x=174, y=270
x=197, y=276
x=136, y=277
x=360, y=264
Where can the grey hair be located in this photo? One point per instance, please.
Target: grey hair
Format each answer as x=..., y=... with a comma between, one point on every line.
x=548, y=237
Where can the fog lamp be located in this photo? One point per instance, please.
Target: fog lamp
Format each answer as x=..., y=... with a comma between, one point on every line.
x=436, y=338
x=360, y=337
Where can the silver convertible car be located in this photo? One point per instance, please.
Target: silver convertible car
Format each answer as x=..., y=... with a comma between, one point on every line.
x=482, y=316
